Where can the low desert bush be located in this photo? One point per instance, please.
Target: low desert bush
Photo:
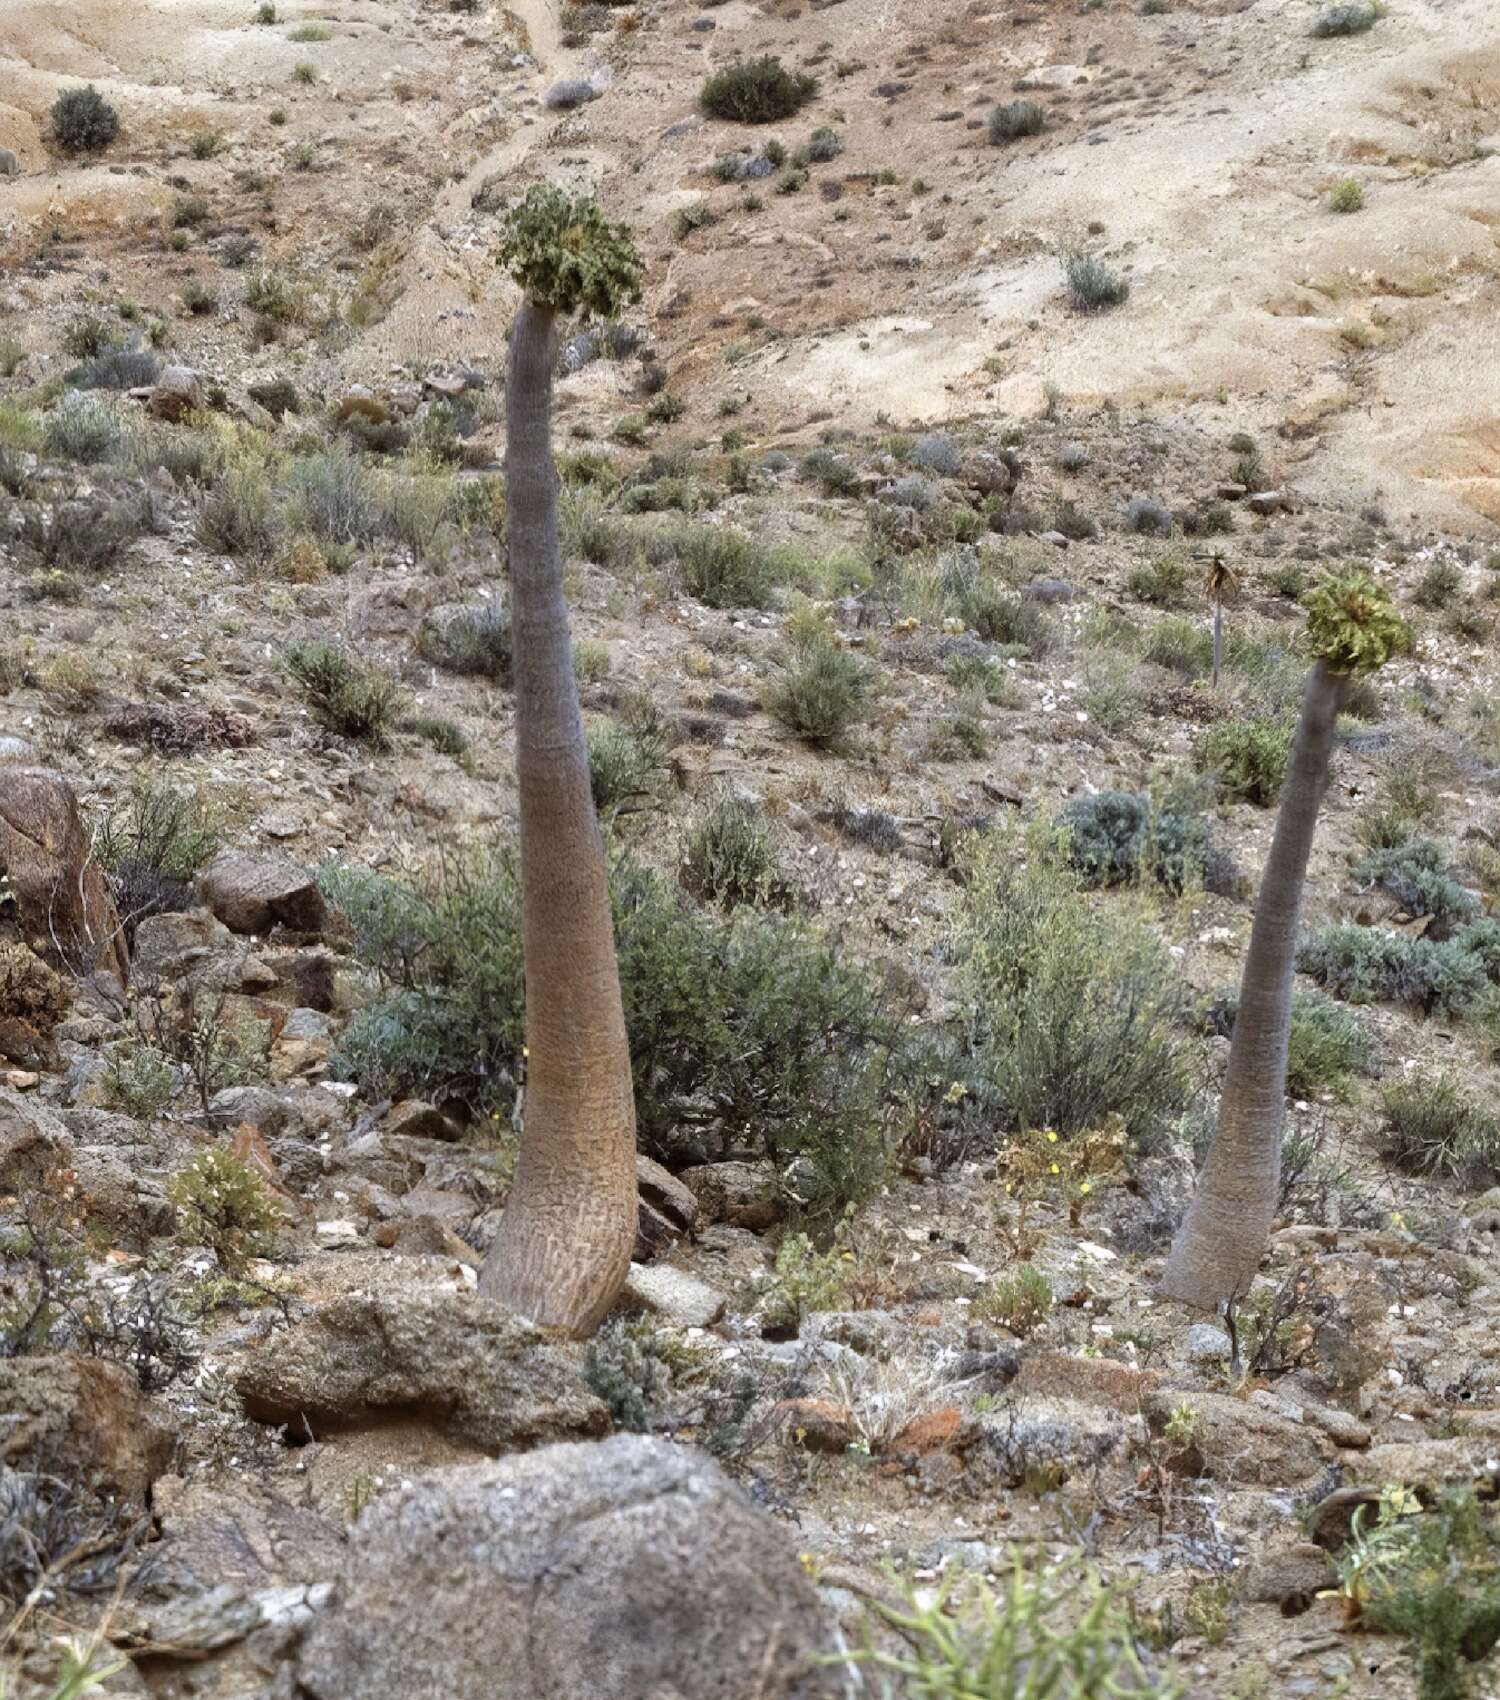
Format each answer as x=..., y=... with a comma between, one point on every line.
x=1329, y=1046
x=1370, y=965
x=350, y=697
x=822, y=693
x=83, y=121
x=1432, y=1126
x=1093, y=285
x=756, y=91
x=1247, y=758
x=1418, y=876
x=729, y=857
x=1012, y=119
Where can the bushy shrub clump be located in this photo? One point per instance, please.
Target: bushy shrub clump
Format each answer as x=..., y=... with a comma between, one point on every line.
x=1115, y=836
x=83, y=121
x=1092, y=285
x=756, y=91
x=822, y=693
x=1433, y=1127
x=1072, y=1004
x=750, y=1036
x=729, y=857
x=474, y=641
x=1248, y=758
x=1352, y=19
x=1012, y=119
x=1369, y=965
x=1417, y=874
x=347, y=696
x=978, y=598
x=1328, y=1044
x=151, y=845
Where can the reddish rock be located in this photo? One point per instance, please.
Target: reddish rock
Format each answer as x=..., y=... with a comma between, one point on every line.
x=87, y=1421
x=1092, y=1381
x=936, y=1431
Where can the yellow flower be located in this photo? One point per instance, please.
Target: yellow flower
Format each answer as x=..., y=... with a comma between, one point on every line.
x=1085, y=1188
x=1051, y=1137
x=1056, y=1170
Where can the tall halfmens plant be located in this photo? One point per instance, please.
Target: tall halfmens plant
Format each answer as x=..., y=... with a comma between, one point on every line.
x=1222, y=584
x=563, y=1249
x=1352, y=628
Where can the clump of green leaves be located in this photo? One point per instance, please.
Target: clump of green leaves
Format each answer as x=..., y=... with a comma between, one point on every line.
x=1072, y=1006
x=822, y=693
x=751, y=1035
x=1247, y=757
x=1371, y=965
x=1043, y=1634
x=1433, y=1127
x=1012, y=119
x=1163, y=581
x=349, y=697
x=1117, y=836
x=223, y=1203
x=626, y=764
x=474, y=641
x=1328, y=1044
x=628, y=1365
x=729, y=857
x=1432, y=1576
x=566, y=255
x=83, y=121
x=1418, y=875
x=803, y=1280
x=756, y=91
x=1352, y=624
x=1093, y=285
x=1020, y=1301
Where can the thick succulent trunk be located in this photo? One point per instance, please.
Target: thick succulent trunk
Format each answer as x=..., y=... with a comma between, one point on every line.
x=566, y=1234
x=1220, y=1243
x=1218, y=640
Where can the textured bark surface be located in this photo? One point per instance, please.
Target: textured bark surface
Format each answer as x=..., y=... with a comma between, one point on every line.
x=1219, y=1245
x=566, y=1235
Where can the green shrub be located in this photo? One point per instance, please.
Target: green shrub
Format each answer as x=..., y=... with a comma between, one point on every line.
x=86, y=537
x=347, y=696
x=1346, y=196
x=1012, y=119
x=238, y=513
x=756, y=91
x=1418, y=875
x=83, y=121
x=85, y=431
x=88, y=336
x=1248, y=758
x=151, y=844
x=1433, y=1127
x=223, y=1203
x=1116, y=836
x=1368, y=965
x=1055, y=1631
x=978, y=598
x=1163, y=582
x=272, y=295
x=446, y=736
x=803, y=1280
x=1092, y=285
x=1432, y=1576
x=750, y=1036
x=729, y=857
x=1182, y=646
x=822, y=693
x=836, y=473
x=1020, y=1301
x=1071, y=1004
x=1352, y=19
x=335, y=496
x=724, y=568
x=1328, y=1045
x=473, y=641
x=1439, y=584
x=627, y=1365
x=626, y=764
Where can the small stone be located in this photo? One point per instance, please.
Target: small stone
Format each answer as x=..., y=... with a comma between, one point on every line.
x=337, y=1232
x=569, y=92
x=1050, y=589
x=10, y=166
x=1268, y=502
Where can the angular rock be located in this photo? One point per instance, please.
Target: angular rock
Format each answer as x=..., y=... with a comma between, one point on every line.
x=486, y=1376
x=63, y=903
x=33, y=1000
x=1206, y=1344
x=1049, y=590
x=1234, y=1440
x=184, y=947
x=631, y=1570
x=237, y=1532
x=85, y=1420
x=251, y=893
x=667, y=1211
x=10, y=166
x=675, y=1296
x=176, y=393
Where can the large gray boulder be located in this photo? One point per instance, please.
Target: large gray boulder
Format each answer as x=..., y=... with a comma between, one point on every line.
x=627, y=1570
x=251, y=893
